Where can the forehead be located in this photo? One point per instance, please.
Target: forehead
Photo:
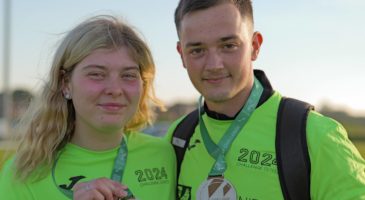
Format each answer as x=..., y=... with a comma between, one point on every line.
x=213, y=23
x=118, y=57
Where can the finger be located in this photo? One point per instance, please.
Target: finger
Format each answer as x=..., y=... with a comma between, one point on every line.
x=86, y=192
x=106, y=187
x=119, y=185
x=77, y=186
x=101, y=188
x=120, y=190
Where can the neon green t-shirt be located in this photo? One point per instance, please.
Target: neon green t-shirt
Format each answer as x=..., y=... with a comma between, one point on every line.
x=337, y=168
x=149, y=173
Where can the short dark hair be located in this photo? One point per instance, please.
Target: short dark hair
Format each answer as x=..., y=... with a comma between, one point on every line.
x=187, y=6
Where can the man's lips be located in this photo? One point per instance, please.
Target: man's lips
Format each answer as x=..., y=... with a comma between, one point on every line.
x=215, y=79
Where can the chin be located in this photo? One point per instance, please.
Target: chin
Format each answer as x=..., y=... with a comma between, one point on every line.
x=111, y=128
x=111, y=125
x=218, y=98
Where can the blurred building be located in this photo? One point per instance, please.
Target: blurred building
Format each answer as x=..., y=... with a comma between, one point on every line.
x=164, y=119
x=20, y=101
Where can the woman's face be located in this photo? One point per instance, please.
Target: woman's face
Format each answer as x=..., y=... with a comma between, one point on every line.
x=105, y=88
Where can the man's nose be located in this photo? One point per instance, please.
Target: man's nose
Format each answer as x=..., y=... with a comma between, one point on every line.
x=214, y=60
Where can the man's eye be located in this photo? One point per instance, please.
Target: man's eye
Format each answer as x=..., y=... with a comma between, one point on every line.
x=196, y=51
x=230, y=46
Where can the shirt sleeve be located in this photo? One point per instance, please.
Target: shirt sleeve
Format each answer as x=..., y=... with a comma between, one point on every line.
x=337, y=168
x=10, y=188
x=171, y=129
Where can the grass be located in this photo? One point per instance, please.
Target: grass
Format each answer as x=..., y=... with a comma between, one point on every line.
x=2, y=152
x=6, y=149
x=360, y=145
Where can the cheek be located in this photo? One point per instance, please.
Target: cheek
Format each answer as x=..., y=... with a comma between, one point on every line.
x=193, y=63
x=194, y=66
x=238, y=62
x=83, y=88
x=192, y=72
x=134, y=91
x=195, y=78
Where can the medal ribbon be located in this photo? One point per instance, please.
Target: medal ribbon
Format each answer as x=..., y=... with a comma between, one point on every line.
x=117, y=172
x=218, y=151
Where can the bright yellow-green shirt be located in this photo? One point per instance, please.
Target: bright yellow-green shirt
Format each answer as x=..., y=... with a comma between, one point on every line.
x=337, y=168
x=149, y=172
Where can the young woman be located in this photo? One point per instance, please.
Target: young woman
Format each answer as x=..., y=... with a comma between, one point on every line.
x=80, y=140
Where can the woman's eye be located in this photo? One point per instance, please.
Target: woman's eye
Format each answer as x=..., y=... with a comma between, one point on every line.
x=96, y=75
x=130, y=76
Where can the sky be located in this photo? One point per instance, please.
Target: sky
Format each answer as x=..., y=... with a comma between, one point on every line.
x=313, y=50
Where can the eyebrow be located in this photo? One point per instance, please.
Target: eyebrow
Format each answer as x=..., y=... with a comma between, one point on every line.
x=192, y=44
x=92, y=66
x=135, y=67
x=223, y=39
x=231, y=37
x=127, y=68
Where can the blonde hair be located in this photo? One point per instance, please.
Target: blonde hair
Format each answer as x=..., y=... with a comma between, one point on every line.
x=49, y=125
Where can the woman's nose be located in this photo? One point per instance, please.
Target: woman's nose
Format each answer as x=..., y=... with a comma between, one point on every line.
x=114, y=87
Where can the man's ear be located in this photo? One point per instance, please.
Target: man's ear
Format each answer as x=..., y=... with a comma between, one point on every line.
x=257, y=40
x=180, y=51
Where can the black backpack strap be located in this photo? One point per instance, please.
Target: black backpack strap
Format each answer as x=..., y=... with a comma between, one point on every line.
x=291, y=149
x=181, y=137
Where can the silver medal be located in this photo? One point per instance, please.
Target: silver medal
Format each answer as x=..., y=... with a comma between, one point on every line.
x=216, y=188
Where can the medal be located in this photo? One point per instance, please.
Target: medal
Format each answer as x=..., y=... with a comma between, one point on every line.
x=216, y=188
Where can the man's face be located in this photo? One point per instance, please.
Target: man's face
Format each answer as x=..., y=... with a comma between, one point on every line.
x=217, y=48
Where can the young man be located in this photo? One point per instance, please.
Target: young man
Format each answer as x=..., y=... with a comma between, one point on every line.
x=231, y=154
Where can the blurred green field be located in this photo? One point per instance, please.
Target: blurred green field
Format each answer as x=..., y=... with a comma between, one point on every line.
x=360, y=145
x=356, y=132
x=1, y=157
x=6, y=149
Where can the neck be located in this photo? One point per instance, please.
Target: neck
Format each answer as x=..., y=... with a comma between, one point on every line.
x=233, y=105
x=97, y=141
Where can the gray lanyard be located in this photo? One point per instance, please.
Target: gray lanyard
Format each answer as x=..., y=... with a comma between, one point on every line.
x=218, y=151
x=117, y=173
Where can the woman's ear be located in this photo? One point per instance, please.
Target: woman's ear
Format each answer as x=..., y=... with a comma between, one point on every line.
x=257, y=40
x=65, y=85
x=67, y=95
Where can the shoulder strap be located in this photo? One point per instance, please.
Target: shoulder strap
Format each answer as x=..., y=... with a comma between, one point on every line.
x=291, y=146
x=181, y=137
x=291, y=149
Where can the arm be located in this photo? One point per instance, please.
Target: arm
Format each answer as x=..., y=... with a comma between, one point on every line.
x=10, y=188
x=337, y=166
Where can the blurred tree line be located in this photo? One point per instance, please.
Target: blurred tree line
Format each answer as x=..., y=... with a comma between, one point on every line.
x=355, y=126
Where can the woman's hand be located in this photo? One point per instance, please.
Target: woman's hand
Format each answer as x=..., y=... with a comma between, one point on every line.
x=101, y=188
